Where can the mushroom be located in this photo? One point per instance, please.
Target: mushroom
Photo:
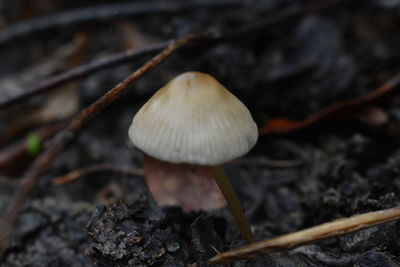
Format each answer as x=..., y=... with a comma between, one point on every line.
x=195, y=120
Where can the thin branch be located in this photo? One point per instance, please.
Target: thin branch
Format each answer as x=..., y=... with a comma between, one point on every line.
x=339, y=111
x=129, y=55
x=82, y=71
x=76, y=174
x=43, y=161
x=106, y=12
x=289, y=241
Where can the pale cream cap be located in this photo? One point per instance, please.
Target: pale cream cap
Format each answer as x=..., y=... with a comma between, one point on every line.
x=194, y=119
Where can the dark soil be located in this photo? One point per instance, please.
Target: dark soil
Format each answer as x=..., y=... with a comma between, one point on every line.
x=291, y=69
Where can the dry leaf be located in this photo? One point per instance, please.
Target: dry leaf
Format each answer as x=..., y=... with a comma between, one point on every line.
x=188, y=186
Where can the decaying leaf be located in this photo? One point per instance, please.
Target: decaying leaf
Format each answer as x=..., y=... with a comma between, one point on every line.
x=188, y=186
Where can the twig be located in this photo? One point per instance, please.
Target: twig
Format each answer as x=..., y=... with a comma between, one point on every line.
x=31, y=177
x=130, y=55
x=289, y=241
x=76, y=174
x=82, y=71
x=106, y=12
x=341, y=110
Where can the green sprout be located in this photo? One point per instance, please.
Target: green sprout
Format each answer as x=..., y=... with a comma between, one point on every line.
x=33, y=144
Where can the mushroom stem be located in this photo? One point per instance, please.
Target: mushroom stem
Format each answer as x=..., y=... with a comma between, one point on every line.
x=233, y=201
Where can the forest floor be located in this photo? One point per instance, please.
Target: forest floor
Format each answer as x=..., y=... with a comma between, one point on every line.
x=342, y=164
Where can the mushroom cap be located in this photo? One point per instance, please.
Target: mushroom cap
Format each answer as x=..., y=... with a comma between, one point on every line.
x=194, y=119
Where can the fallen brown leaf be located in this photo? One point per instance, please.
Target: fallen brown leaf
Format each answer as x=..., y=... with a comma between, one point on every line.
x=188, y=186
